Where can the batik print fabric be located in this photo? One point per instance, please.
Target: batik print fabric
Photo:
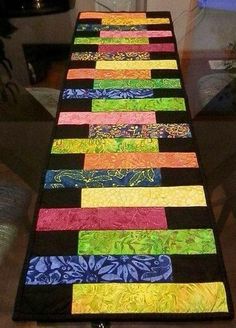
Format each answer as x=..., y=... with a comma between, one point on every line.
x=123, y=226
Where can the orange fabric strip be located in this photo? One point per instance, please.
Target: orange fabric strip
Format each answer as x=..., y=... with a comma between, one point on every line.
x=107, y=74
x=139, y=160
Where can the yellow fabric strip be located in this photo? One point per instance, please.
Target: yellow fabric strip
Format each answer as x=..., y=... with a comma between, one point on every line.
x=137, y=64
x=143, y=197
x=134, y=21
x=149, y=298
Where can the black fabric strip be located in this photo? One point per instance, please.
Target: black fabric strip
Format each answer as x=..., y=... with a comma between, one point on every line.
x=61, y=198
x=168, y=93
x=180, y=177
x=154, y=40
x=165, y=73
x=162, y=55
x=87, y=34
x=72, y=131
x=125, y=317
x=46, y=300
x=82, y=64
x=176, y=145
x=168, y=117
x=89, y=21
x=159, y=27
x=76, y=105
x=79, y=84
x=187, y=217
x=84, y=47
x=195, y=268
x=159, y=14
x=55, y=243
x=66, y=161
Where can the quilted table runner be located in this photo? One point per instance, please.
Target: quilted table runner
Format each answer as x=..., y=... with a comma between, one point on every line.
x=123, y=230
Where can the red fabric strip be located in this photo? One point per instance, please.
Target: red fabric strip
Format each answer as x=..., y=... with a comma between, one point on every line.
x=57, y=219
x=153, y=47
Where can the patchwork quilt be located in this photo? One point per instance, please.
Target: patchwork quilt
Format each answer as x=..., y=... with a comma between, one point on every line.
x=123, y=230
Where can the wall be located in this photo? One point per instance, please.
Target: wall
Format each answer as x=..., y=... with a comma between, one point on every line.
x=181, y=15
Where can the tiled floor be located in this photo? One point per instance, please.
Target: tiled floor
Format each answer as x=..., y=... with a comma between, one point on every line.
x=217, y=142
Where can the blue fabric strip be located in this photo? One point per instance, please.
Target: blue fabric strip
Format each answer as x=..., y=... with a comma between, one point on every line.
x=107, y=93
x=55, y=270
x=98, y=27
x=140, y=131
x=102, y=178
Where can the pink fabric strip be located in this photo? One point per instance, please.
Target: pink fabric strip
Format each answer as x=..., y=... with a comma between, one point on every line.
x=159, y=47
x=57, y=219
x=135, y=34
x=75, y=118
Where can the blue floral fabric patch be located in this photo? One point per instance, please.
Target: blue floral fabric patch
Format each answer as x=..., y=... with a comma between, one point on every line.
x=140, y=131
x=55, y=270
x=102, y=178
x=98, y=27
x=107, y=93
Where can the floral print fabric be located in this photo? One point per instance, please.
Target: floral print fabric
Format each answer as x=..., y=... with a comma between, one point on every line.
x=139, y=84
x=152, y=47
x=108, y=74
x=94, y=40
x=135, y=34
x=98, y=27
x=55, y=270
x=134, y=21
x=55, y=219
x=107, y=93
x=189, y=241
x=141, y=64
x=101, y=178
x=110, y=56
x=140, y=131
x=139, y=160
x=116, y=145
x=149, y=298
x=79, y=118
x=142, y=105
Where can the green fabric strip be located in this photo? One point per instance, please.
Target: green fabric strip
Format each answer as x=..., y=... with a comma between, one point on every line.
x=142, y=242
x=116, y=145
x=138, y=84
x=135, y=105
x=97, y=40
